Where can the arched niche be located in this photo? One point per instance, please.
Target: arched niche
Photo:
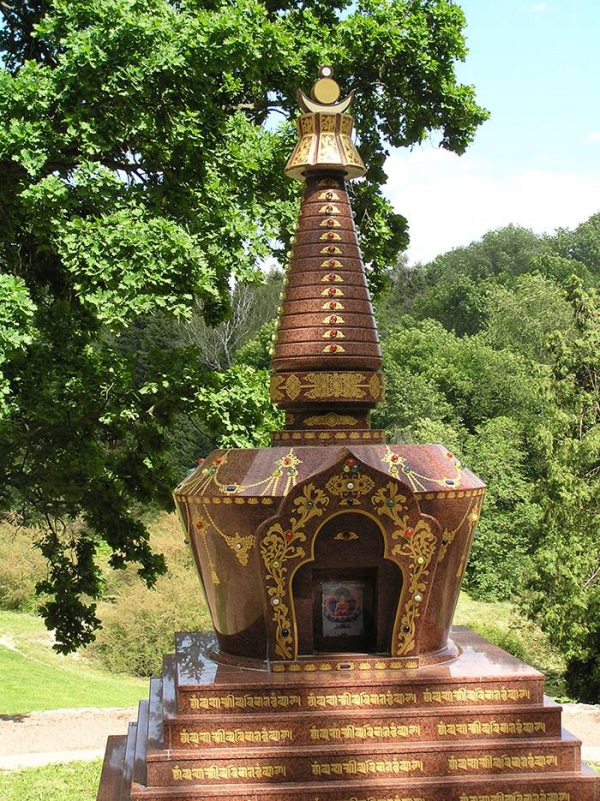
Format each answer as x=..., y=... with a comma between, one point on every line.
x=345, y=598
x=345, y=498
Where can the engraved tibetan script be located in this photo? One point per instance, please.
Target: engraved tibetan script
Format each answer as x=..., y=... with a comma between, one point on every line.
x=366, y=732
x=221, y=736
x=229, y=772
x=490, y=727
x=541, y=796
x=244, y=701
x=490, y=762
x=361, y=699
x=366, y=767
x=477, y=694
x=385, y=798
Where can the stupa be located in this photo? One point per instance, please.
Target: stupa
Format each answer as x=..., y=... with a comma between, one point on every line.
x=331, y=564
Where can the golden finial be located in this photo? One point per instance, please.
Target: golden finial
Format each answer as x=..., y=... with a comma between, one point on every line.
x=325, y=130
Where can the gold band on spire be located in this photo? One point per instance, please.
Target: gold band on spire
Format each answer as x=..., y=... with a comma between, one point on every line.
x=325, y=143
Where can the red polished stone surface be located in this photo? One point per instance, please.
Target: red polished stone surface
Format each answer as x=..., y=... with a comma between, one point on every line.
x=314, y=275
x=480, y=729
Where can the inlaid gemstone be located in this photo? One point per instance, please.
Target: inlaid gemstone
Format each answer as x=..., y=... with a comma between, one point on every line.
x=409, y=532
x=289, y=535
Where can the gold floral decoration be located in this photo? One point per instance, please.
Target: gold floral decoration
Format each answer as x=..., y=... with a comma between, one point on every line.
x=280, y=545
x=240, y=546
x=349, y=486
x=331, y=419
x=417, y=546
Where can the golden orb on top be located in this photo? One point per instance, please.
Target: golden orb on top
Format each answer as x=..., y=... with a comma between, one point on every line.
x=325, y=90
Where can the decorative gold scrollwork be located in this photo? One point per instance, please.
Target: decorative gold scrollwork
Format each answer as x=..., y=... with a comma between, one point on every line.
x=417, y=546
x=280, y=545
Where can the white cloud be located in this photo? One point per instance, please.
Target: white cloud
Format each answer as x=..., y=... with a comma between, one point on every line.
x=537, y=8
x=451, y=201
x=593, y=136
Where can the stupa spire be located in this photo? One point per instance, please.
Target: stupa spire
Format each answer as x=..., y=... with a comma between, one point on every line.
x=326, y=354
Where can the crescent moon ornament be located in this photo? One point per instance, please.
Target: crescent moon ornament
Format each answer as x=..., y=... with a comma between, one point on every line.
x=314, y=106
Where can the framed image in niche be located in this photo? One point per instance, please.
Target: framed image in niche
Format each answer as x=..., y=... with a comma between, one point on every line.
x=343, y=614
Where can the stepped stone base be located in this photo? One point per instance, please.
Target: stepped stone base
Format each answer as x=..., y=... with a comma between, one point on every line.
x=477, y=728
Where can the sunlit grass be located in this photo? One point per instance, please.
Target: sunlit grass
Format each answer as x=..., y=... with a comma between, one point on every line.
x=35, y=677
x=75, y=780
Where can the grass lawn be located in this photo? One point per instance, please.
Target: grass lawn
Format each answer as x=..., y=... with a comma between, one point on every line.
x=34, y=677
x=76, y=780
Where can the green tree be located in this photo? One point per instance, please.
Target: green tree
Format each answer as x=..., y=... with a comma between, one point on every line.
x=581, y=249
x=485, y=404
x=564, y=590
x=139, y=171
x=524, y=317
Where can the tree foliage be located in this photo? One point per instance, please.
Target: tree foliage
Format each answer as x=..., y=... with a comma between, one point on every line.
x=503, y=366
x=140, y=171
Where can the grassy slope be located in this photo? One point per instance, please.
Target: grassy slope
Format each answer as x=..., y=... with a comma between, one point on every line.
x=34, y=677
x=77, y=780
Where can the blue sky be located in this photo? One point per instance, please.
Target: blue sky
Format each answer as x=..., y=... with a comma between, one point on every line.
x=536, y=161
